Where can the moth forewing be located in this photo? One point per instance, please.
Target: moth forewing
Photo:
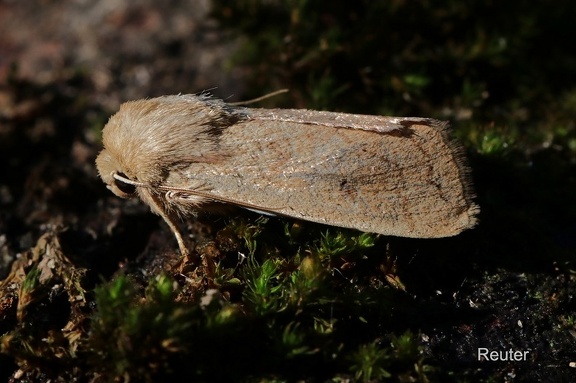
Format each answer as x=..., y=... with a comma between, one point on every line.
x=411, y=184
x=389, y=175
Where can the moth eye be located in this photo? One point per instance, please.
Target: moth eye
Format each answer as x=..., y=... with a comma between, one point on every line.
x=123, y=186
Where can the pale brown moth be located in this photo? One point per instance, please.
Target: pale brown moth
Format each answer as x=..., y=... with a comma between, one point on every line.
x=398, y=176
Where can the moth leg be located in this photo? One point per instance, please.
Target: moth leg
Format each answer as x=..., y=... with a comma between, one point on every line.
x=174, y=227
x=159, y=209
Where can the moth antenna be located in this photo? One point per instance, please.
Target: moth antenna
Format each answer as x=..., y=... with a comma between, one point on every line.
x=258, y=99
x=128, y=181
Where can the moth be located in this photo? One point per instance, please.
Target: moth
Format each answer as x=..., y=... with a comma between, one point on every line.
x=397, y=176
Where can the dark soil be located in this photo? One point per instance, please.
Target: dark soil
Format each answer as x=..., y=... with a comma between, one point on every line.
x=66, y=66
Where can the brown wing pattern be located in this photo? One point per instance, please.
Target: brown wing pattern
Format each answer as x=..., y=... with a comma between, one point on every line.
x=411, y=184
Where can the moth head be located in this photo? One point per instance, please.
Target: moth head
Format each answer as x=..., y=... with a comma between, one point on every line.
x=115, y=179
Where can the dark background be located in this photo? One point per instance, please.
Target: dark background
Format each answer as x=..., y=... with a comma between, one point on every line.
x=504, y=75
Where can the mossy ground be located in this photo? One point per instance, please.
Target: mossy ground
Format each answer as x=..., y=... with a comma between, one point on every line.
x=94, y=289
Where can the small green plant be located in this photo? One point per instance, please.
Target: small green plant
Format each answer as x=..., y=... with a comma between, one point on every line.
x=264, y=287
x=134, y=334
x=337, y=243
x=369, y=363
x=405, y=346
x=28, y=292
x=249, y=232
